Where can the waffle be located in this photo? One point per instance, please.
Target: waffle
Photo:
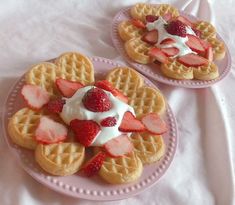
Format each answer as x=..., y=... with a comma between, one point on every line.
x=149, y=148
x=138, y=50
x=140, y=10
x=69, y=66
x=122, y=169
x=60, y=159
x=206, y=28
x=206, y=72
x=218, y=48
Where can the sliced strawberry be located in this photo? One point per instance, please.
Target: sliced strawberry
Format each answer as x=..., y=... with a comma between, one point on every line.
x=185, y=21
x=35, y=96
x=119, y=146
x=106, y=85
x=131, y=124
x=85, y=131
x=195, y=44
x=49, y=131
x=137, y=23
x=209, y=53
x=108, y=122
x=172, y=51
x=67, y=87
x=93, y=166
x=150, y=37
x=151, y=18
x=205, y=44
x=154, y=124
x=167, y=41
x=197, y=32
x=192, y=60
x=167, y=17
x=157, y=54
x=55, y=106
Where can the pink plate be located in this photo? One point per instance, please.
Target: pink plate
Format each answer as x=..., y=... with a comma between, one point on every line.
x=77, y=185
x=152, y=71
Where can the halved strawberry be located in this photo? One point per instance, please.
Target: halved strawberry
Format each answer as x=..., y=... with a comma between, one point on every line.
x=106, y=85
x=119, y=146
x=55, y=106
x=93, y=166
x=195, y=44
x=137, y=23
x=85, y=131
x=150, y=37
x=209, y=53
x=35, y=96
x=192, y=60
x=158, y=55
x=172, y=51
x=154, y=124
x=131, y=124
x=185, y=21
x=167, y=41
x=49, y=131
x=151, y=18
x=67, y=87
x=167, y=16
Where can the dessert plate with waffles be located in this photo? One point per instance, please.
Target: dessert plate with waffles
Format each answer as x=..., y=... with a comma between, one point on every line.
x=170, y=46
x=90, y=127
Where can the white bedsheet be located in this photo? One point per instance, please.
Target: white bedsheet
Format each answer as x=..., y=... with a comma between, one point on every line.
x=203, y=169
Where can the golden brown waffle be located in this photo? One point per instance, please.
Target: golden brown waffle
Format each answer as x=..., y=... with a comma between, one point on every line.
x=149, y=148
x=206, y=72
x=122, y=169
x=60, y=159
x=22, y=126
x=138, y=50
x=140, y=10
x=128, y=31
x=206, y=28
x=218, y=48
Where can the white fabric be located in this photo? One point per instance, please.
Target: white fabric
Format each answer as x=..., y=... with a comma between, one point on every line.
x=202, y=171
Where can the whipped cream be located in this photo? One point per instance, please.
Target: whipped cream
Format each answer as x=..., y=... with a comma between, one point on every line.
x=74, y=109
x=180, y=42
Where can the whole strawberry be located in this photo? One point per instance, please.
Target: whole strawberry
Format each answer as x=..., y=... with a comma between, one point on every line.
x=176, y=28
x=96, y=100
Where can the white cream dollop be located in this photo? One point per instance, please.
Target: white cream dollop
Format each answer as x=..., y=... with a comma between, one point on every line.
x=180, y=42
x=74, y=109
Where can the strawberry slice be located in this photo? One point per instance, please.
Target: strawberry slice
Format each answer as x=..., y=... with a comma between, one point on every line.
x=131, y=124
x=167, y=41
x=137, y=23
x=172, y=51
x=151, y=18
x=55, y=106
x=192, y=60
x=93, y=166
x=150, y=37
x=49, y=131
x=205, y=44
x=195, y=44
x=154, y=124
x=119, y=146
x=85, y=131
x=67, y=87
x=185, y=21
x=106, y=85
x=35, y=96
x=197, y=32
x=167, y=17
x=209, y=53
x=157, y=54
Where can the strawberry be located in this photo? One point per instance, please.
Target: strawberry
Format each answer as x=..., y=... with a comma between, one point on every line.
x=151, y=18
x=167, y=17
x=150, y=37
x=93, y=166
x=195, y=44
x=137, y=23
x=85, y=131
x=209, y=53
x=197, y=32
x=35, y=96
x=154, y=124
x=67, y=87
x=172, y=51
x=131, y=124
x=119, y=146
x=205, y=44
x=192, y=60
x=157, y=54
x=106, y=85
x=55, y=106
x=184, y=20
x=167, y=41
x=49, y=131
x=96, y=100
x=177, y=28
x=108, y=122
